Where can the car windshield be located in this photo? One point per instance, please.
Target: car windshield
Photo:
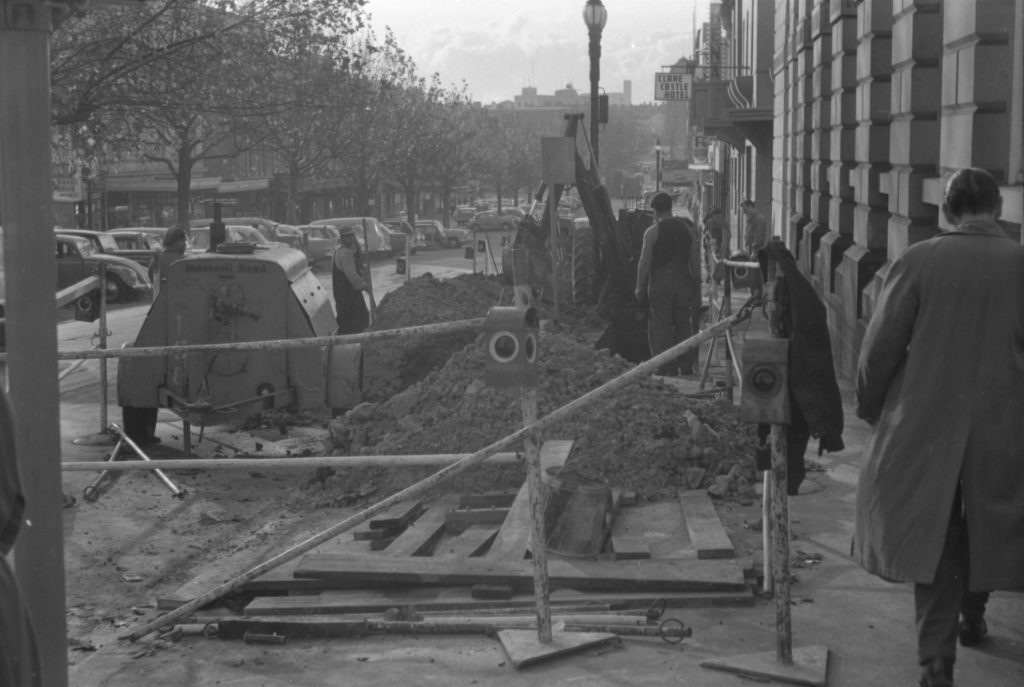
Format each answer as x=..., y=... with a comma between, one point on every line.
x=108, y=242
x=86, y=248
x=245, y=234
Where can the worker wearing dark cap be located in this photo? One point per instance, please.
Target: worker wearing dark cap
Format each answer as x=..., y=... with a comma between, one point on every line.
x=664, y=275
x=175, y=242
x=349, y=284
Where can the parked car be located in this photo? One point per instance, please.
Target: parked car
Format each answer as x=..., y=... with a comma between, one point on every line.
x=78, y=258
x=367, y=229
x=271, y=230
x=401, y=233
x=138, y=238
x=232, y=234
x=320, y=241
x=492, y=221
x=106, y=242
x=463, y=214
x=436, y=233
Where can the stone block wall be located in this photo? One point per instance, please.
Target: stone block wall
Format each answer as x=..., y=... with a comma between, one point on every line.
x=889, y=98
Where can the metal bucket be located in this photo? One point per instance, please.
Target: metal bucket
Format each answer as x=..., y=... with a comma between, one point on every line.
x=576, y=516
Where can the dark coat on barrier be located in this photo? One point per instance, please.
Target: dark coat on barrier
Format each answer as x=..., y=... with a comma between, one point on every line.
x=941, y=372
x=19, y=656
x=815, y=403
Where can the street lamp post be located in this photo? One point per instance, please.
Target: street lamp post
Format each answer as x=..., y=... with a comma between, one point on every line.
x=657, y=165
x=595, y=16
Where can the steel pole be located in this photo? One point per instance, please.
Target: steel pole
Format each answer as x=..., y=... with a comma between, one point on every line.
x=26, y=193
x=595, y=79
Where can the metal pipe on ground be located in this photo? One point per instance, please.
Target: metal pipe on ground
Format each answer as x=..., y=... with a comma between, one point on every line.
x=282, y=463
x=274, y=345
x=642, y=370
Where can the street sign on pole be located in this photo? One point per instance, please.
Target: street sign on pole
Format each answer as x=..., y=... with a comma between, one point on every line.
x=673, y=86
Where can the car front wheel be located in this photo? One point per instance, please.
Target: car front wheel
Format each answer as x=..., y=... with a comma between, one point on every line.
x=115, y=289
x=453, y=242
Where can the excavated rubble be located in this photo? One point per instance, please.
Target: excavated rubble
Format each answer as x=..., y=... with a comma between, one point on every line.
x=426, y=395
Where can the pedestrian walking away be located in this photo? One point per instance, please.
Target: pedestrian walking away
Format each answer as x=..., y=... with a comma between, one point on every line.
x=664, y=276
x=717, y=228
x=755, y=237
x=349, y=282
x=940, y=378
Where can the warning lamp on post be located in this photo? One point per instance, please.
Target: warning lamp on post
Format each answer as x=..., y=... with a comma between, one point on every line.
x=765, y=392
x=87, y=307
x=511, y=347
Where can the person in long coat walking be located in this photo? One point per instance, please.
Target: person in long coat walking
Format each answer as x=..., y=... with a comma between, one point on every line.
x=940, y=377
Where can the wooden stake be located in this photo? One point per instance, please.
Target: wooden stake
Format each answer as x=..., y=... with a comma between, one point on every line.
x=780, y=548
x=531, y=446
x=538, y=547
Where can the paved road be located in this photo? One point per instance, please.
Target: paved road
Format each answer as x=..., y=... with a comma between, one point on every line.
x=82, y=385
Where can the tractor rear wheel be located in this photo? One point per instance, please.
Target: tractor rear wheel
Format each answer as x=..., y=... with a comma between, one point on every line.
x=584, y=265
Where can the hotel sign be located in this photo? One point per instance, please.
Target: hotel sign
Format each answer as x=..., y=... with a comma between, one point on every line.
x=672, y=86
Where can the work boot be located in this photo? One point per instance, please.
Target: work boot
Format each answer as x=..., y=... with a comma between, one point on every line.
x=938, y=672
x=972, y=631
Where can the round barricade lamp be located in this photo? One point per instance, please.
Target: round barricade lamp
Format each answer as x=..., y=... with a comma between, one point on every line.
x=511, y=347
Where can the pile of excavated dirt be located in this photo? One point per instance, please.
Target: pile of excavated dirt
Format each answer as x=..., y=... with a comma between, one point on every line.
x=426, y=394
x=390, y=366
x=639, y=438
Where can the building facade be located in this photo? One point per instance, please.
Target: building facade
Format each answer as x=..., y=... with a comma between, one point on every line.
x=873, y=104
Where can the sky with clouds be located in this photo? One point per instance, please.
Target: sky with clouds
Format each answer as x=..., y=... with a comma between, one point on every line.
x=498, y=48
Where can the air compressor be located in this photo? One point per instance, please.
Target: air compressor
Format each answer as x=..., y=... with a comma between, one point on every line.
x=240, y=293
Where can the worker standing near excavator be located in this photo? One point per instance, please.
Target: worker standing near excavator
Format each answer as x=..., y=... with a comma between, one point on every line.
x=664, y=276
x=349, y=284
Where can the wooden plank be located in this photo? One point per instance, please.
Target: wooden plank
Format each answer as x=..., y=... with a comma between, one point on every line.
x=513, y=538
x=459, y=519
x=399, y=517
x=630, y=548
x=492, y=591
x=471, y=542
x=381, y=544
x=427, y=599
x=420, y=537
x=707, y=535
x=376, y=535
x=583, y=575
x=488, y=499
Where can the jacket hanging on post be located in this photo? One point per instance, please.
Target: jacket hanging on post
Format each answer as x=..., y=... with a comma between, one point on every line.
x=816, y=407
x=19, y=655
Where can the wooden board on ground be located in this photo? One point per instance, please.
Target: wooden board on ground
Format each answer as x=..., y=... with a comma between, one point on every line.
x=374, y=570
x=422, y=534
x=657, y=524
x=525, y=648
x=426, y=599
x=707, y=535
x=471, y=542
x=488, y=499
x=398, y=517
x=630, y=548
x=513, y=538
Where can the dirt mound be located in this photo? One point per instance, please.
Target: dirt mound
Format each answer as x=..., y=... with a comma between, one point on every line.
x=639, y=439
x=389, y=367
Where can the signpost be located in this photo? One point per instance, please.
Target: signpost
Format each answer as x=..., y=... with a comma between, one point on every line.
x=673, y=86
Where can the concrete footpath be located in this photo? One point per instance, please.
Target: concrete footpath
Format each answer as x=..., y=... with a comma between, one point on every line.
x=866, y=624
